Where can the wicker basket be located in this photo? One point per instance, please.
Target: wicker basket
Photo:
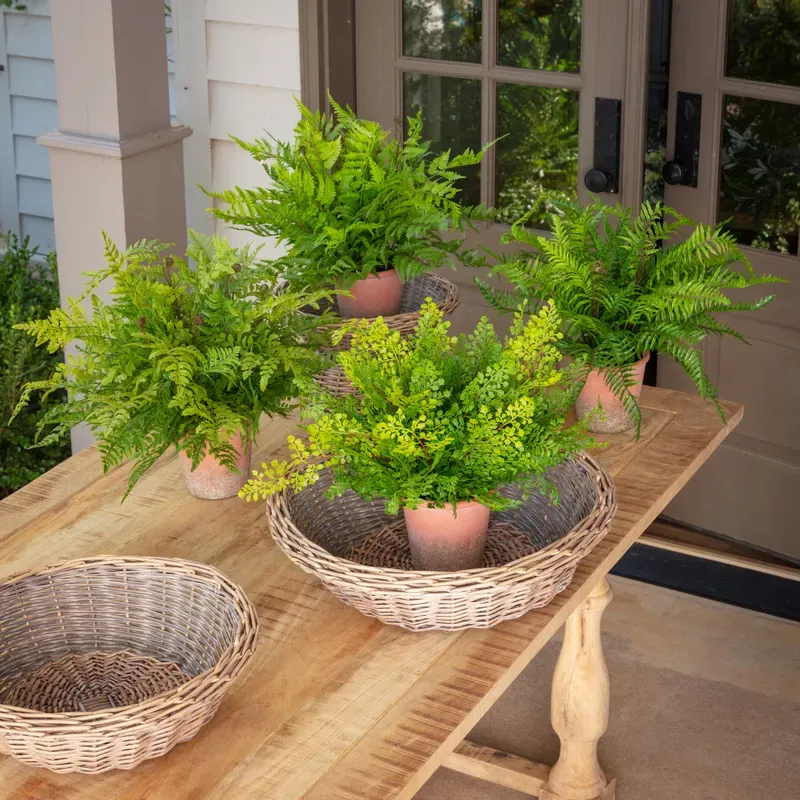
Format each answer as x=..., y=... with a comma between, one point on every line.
x=531, y=555
x=109, y=661
x=440, y=290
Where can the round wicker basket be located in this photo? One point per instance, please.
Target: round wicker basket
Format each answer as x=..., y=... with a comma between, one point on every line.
x=440, y=290
x=109, y=661
x=531, y=554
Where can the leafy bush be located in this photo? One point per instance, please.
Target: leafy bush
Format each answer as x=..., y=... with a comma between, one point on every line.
x=621, y=294
x=29, y=292
x=348, y=200
x=439, y=418
x=180, y=356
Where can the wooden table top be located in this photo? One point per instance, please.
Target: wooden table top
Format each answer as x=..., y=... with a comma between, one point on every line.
x=334, y=706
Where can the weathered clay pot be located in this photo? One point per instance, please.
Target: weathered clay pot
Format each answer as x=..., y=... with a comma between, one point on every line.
x=214, y=481
x=446, y=542
x=377, y=295
x=612, y=418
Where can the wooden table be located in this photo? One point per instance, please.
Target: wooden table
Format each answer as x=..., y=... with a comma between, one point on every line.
x=336, y=706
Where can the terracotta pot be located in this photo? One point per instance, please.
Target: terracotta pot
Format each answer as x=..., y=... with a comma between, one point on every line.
x=612, y=418
x=377, y=295
x=214, y=481
x=446, y=542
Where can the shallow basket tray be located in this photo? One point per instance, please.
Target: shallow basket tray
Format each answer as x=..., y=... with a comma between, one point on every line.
x=443, y=292
x=109, y=661
x=363, y=557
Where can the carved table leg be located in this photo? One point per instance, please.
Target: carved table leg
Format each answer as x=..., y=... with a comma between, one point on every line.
x=579, y=705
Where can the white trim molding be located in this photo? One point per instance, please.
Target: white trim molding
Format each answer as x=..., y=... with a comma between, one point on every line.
x=114, y=148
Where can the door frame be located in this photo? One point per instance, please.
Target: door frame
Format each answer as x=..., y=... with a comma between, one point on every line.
x=327, y=52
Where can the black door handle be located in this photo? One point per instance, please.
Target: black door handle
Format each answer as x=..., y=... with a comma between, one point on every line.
x=684, y=168
x=598, y=180
x=604, y=175
x=672, y=173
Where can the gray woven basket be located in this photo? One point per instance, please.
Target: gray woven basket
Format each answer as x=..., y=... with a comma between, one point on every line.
x=363, y=557
x=443, y=292
x=112, y=660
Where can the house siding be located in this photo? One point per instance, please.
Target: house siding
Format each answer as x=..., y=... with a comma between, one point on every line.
x=27, y=110
x=30, y=110
x=253, y=73
x=250, y=81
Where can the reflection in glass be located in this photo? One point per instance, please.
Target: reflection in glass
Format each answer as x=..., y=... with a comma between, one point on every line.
x=540, y=148
x=539, y=34
x=451, y=115
x=764, y=40
x=760, y=176
x=657, y=98
x=447, y=30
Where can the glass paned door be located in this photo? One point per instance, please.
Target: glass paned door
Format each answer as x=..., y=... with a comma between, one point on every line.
x=536, y=124
x=749, y=180
x=525, y=73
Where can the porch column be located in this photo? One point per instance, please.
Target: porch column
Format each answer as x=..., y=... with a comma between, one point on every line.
x=116, y=161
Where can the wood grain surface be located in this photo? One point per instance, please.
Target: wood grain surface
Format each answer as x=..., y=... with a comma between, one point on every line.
x=335, y=706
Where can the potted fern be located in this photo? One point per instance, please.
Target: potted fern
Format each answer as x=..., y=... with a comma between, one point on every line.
x=626, y=286
x=183, y=356
x=440, y=425
x=355, y=208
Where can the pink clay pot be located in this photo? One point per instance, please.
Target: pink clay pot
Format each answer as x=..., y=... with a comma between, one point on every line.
x=214, y=481
x=377, y=295
x=612, y=417
x=445, y=542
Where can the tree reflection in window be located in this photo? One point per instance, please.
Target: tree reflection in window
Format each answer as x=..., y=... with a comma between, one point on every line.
x=539, y=34
x=540, y=125
x=760, y=175
x=446, y=30
x=764, y=41
x=540, y=148
x=451, y=117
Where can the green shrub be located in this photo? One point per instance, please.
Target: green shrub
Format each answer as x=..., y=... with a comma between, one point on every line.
x=28, y=291
x=348, y=200
x=625, y=286
x=439, y=418
x=180, y=356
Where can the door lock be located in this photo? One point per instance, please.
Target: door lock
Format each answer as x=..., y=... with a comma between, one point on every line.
x=604, y=175
x=684, y=167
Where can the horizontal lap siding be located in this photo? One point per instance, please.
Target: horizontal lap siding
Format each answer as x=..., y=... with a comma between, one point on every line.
x=33, y=111
x=253, y=61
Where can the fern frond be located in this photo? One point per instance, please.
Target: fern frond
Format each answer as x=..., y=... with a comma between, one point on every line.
x=625, y=286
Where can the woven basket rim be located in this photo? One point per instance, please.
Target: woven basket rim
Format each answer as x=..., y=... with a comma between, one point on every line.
x=399, y=580
x=233, y=658
x=452, y=297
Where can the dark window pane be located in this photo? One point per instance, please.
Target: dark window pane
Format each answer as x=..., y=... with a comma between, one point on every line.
x=764, y=40
x=657, y=99
x=540, y=34
x=451, y=114
x=760, y=182
x=540, y=148
x=446, y=30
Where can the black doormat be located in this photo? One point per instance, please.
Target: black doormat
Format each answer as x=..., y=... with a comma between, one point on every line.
x=736, y=586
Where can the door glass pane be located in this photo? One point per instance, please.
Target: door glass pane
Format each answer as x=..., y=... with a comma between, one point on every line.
x=657, y=99
x=539, y=34
x=764, y=40
x=760, y=182
x=540, y=148
x=451, y=114
x=447, y=30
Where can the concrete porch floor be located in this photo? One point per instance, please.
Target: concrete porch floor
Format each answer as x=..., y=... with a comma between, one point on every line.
x=705, y=704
